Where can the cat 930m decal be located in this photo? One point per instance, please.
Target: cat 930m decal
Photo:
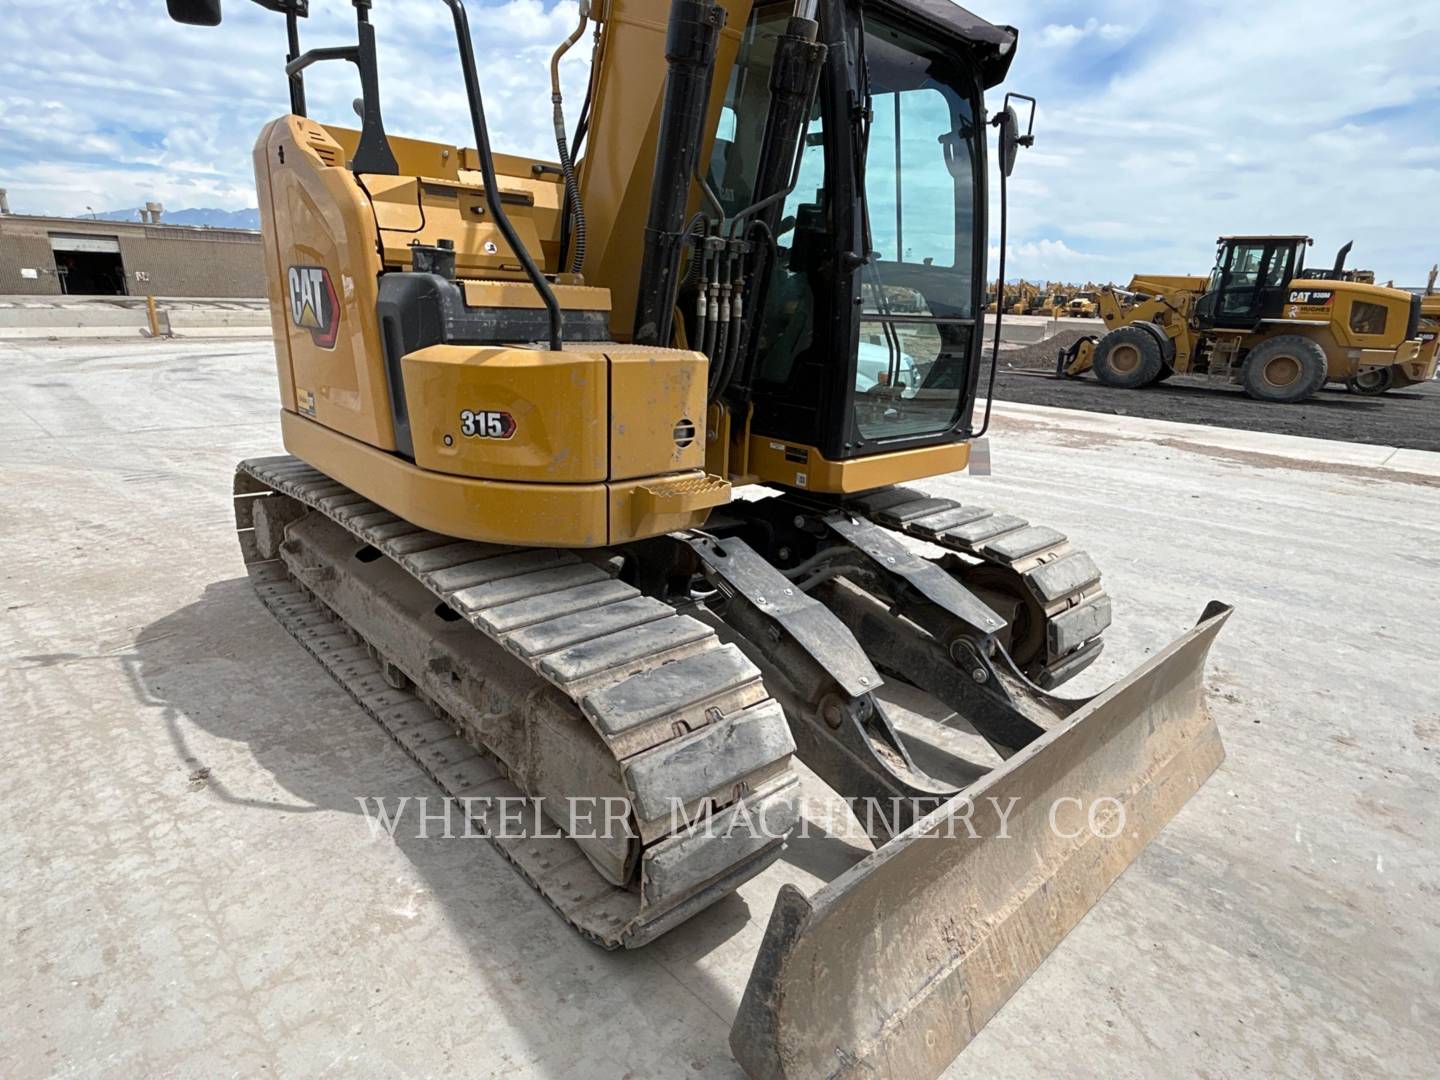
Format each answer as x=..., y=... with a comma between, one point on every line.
x=313, y=304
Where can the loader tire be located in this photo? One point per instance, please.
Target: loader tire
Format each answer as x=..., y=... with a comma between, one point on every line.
x=1285, y=369
x=1372, y=383
x=1128, y=357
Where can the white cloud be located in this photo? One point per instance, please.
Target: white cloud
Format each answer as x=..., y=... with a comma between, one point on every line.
x=1050, y=260
x=1159, y=127
x=1064, y=35
x=120, y=105
x=1312, y=117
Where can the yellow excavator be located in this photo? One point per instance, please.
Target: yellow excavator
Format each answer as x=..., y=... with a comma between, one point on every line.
x=517, y=397
x=1261, y=319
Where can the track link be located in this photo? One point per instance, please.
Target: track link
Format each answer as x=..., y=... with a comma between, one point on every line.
x=687, y=717
x=1058, y=583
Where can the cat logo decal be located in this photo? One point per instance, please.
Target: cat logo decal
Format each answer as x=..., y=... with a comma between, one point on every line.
x=314, y=305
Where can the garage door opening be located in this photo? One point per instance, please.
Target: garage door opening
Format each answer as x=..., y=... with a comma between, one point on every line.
x=89, y=265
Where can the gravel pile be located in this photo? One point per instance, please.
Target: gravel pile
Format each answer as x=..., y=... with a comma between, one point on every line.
x=1040, y=356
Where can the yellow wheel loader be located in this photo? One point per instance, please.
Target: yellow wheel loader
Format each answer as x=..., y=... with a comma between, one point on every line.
x=1261, y=319
x=518, y=396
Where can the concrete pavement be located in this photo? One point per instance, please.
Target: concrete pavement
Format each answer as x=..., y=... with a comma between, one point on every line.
x=189, y=889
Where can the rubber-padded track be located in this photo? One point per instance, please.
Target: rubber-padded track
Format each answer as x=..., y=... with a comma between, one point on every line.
x=1060, y=579
x=649, y=680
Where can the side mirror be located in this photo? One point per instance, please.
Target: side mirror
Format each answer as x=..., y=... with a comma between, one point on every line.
x=194, y=12
x=1010, y=138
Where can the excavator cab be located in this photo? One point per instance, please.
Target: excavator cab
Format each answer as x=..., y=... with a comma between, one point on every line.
x=1251, y=280
x=877, y=266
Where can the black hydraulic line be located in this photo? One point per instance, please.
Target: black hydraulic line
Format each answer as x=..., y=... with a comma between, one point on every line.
x=740, y=325
x=487, y=171
x=692, y=269
x=794, y=77
x=722, y=333
x=576, y=142
x=702, y=256
x=712, y=305
x=690, y=44
x=572, y=224
x=1004, y=119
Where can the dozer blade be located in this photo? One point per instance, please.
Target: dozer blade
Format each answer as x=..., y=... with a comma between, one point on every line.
x=892, y=968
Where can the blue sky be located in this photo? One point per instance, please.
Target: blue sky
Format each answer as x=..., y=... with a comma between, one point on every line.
x=1160, y=125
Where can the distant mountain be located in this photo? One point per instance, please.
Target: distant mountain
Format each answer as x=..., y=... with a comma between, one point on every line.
x=215, y=219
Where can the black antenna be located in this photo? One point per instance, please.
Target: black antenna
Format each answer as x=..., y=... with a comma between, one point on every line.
x=294, y=12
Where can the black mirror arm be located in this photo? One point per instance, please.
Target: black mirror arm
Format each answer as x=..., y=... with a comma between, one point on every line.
x=1028, y=139
x=314, y=56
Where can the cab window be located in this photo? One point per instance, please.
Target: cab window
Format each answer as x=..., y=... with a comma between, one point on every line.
x=1367, y=318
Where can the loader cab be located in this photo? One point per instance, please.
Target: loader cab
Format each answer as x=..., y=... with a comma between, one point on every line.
x=870, y=332
x=1250, y=280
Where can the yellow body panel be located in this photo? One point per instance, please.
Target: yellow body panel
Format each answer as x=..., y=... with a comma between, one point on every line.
x=505, y=512
x=321, y=220
x=775, y=462
x=1157, y=284
x=654, y=395
x=414, y=157
x=521, y=294
x=557, y=403
x=1340, y=316
x=410, y=210
x=497, y=511
x=275, y=271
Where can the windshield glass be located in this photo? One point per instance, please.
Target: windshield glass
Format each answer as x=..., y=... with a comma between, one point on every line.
x=916, y=295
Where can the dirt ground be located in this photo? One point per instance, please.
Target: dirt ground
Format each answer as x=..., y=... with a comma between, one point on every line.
x=1409, y=417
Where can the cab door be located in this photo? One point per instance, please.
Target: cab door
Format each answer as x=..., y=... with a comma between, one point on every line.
x=1248, y=284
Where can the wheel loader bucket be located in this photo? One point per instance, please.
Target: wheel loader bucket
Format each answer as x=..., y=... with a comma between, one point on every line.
x=890, y=969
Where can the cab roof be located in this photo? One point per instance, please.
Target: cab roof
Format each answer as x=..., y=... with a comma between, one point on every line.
x=995, y=44
x=1268, y=236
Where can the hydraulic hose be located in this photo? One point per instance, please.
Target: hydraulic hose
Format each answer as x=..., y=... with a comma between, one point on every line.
x=576, y=234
